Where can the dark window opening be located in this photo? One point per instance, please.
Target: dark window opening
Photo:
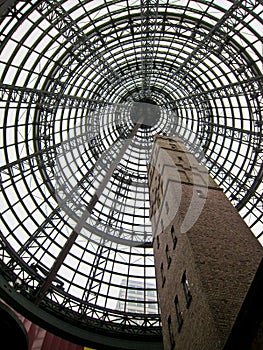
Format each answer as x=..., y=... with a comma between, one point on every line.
x=162, y=274
x=168, y=257
x=187, y=293
x=167, y=207
x=162, y=225
x=171, y=335
x=201, y=194
x=173, y=237
x=178, y=313
x=158, y=242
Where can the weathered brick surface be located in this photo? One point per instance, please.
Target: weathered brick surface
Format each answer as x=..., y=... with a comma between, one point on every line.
x=214, y=247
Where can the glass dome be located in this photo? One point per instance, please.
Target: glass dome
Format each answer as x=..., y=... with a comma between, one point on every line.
x=85, y=87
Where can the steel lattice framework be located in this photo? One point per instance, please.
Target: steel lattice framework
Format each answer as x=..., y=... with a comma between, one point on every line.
x=75, y=230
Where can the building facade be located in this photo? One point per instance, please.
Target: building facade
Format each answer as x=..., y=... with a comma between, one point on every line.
x=205, y=255
x=135, y=299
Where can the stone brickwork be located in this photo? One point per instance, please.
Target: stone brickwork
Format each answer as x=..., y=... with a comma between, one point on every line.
x=205, y=255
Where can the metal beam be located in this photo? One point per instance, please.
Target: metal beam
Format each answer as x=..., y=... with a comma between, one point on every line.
x=5, y=6
x=251, y=87
x=81, y=47
x=149, y=14
x=43, y=98
x=81, y=222
x=232, y=132
x=221, y=30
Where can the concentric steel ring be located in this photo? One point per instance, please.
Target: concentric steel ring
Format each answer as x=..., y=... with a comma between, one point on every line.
x=74, y=75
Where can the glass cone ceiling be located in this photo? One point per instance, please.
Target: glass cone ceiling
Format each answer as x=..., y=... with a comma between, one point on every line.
x=85, y=86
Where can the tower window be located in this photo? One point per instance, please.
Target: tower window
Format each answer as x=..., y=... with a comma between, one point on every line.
x=171, y=335
x=178, y=313
x=168, y=257
x=158, y=242
x=162, y=225
x=173, y=236
x=167, y=207
x=187, y=293
x=201, y=194
x=162, y=274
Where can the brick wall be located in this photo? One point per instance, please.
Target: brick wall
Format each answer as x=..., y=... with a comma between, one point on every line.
x=214, y=248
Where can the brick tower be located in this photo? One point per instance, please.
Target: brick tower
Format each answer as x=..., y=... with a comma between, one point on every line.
x=205, y=255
